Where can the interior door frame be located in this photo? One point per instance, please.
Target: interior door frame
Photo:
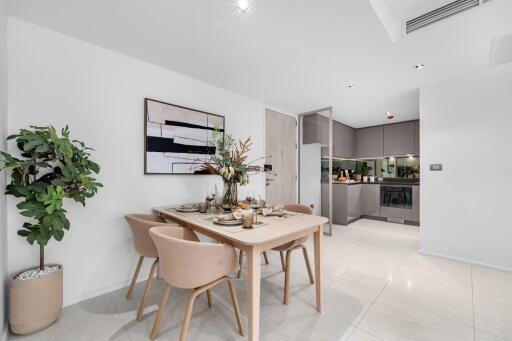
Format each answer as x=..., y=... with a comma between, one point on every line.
x=299, y=143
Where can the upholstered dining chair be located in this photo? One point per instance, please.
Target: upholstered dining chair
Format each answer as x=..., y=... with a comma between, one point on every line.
x=292, y=246
x=189, y=264
x=144, y=246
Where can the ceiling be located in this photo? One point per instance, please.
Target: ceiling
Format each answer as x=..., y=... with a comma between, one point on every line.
x=293, y=55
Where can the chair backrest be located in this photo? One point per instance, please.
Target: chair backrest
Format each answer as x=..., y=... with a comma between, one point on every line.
x=140, y=225
x=298, y=208
x=187, y=263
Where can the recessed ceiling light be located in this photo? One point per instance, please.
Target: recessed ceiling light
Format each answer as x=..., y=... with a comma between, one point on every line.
x=243, y=5
x=351, y=86
x=419, y=66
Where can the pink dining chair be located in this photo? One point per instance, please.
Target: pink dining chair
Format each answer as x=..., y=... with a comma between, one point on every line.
x=144, y=246
x=188, y=264
x=290, y=247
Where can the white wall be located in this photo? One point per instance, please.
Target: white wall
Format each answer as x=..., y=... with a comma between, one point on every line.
x=61, y=80
x=466, y=124
x=3, y=129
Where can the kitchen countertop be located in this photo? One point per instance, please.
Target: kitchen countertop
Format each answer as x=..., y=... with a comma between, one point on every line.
x=385, y=183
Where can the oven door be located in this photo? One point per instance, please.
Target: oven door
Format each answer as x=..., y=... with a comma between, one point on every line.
x=396, y=197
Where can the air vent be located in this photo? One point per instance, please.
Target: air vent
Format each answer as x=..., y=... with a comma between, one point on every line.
x=396, y=220
x=439, y=14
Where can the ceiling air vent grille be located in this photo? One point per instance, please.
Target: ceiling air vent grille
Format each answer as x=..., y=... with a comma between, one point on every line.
x=439, y=14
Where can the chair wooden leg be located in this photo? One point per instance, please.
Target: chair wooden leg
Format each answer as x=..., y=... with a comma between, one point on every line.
x=287, y=278
x=134, y=278
x=236, y=307
x=161, y=309
x=140, y=313
x=188, y=314
x=240, y=259
x=283, y=265
x=266, y=258
x=209, y=296
x=308, y=265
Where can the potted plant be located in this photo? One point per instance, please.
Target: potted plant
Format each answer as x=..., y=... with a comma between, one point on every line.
x=365, y=171
x=230, y=163
x=51, y=168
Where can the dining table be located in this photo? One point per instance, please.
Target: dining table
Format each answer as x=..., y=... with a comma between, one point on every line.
x=270, y=232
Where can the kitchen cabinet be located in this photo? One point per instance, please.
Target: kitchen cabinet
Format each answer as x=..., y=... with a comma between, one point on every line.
x=342, y=140
x=369, y=142
x=315, y=129
x=417, y=138
x=354, y=202
x=415, y=216
x=399, y=139
x=371, y=199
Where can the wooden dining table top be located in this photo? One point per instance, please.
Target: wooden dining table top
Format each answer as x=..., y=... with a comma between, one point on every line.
x=272, y=230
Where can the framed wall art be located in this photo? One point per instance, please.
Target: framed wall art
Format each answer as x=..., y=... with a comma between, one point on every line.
x=176, y=138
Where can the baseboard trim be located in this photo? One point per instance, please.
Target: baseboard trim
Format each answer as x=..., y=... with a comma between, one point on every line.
x=105, y=290
x=463, y=260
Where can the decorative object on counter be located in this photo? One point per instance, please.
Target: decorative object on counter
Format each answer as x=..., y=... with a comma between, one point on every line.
x=365, y=171
x=203, y=207
x=372, y=178
x=357, y=177
x=52, y=167
x=230, y=162
x=248, y=219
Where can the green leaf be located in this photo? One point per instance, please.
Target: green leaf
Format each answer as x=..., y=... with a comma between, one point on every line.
x=23, y=233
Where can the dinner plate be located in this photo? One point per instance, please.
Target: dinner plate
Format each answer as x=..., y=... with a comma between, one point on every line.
x=227, y=222
x=187, y=209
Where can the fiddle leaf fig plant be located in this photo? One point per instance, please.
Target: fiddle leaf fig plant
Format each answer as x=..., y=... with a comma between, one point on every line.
x=52, y=167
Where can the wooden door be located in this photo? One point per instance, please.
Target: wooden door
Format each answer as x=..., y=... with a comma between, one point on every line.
x=280, y=145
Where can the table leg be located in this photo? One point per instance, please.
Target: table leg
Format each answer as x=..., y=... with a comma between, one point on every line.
x=253, y=292
x=318, y=235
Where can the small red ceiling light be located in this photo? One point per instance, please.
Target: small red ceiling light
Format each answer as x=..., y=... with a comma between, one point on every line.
x=389, y=115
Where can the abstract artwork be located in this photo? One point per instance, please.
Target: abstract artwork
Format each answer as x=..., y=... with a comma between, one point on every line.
x=176, y=138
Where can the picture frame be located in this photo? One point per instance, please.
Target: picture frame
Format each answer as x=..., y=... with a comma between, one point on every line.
x=176, y=137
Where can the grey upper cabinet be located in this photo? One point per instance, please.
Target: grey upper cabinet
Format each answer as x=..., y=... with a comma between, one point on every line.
x=315, y=129
x=369, y=142
x=371, y=199
x=399, y=139
x=342, y=140
x=417, y=137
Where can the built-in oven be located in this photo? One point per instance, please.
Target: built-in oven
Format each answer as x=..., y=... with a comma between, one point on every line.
x=396, y=196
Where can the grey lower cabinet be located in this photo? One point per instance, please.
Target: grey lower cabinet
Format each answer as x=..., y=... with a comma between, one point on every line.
x=369, y=142
x=399, y=139
x=371, y=199
x=355, y=202
x=347, y=203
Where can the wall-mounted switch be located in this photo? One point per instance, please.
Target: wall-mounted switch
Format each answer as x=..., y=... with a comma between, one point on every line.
x=436, y=167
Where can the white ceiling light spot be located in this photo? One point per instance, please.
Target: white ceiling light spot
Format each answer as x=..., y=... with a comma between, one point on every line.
x=243, y=5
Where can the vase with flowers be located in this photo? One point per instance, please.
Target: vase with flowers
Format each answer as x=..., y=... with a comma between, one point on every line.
x=230, y=162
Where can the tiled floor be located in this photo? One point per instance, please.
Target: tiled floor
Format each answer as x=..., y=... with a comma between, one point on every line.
x=377, y=287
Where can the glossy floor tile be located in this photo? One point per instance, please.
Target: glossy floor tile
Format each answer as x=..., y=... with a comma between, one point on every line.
x=376, y=287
